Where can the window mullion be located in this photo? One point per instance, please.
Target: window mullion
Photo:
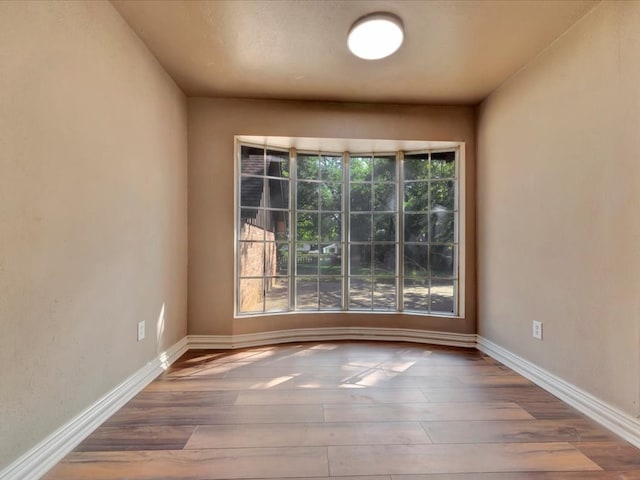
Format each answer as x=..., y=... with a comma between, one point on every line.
x=346, y=239
x=372, y=232
x=400, y=232
x=263, y=210
x=319, y=231
x=429, y=233
x=293, y=246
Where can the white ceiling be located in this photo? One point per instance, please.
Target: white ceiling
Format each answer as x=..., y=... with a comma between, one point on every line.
x=455, y=51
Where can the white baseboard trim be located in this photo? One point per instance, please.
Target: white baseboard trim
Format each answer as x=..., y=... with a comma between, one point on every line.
x=328, y=334
x=620, y=423
x=46, y=454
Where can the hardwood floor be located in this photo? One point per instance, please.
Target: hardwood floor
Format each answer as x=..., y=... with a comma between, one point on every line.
x=357, y=410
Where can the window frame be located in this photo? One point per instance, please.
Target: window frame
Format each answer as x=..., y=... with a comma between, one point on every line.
x=345, y=241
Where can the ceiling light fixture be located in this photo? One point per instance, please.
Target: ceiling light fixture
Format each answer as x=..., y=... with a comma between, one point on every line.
x=375, y=36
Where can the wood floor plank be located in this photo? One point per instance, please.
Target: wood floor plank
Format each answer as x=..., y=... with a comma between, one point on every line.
x=307, y=434
x=207, y=370
x=183, y=399
x=125, y=438
x=555, y=409
x=572, y=430
x=407, y=459
x=357, y=477
x=194, y=464
x=377, y=378
x=205, y=358
x=621, y=475
x=409, y=412
x=518, y=394
x=335, y=396
x=220, y=415
x=412, y=370
x=494, y=380
x=253, y=370
x=204, y=384
x=612, y=454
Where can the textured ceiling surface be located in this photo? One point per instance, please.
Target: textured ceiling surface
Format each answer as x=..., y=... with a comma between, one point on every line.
x=455, y=52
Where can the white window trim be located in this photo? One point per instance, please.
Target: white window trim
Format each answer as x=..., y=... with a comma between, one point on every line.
x=287, y=143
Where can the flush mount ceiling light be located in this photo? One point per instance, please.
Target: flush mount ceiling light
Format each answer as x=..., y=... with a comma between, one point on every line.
x=375, y=36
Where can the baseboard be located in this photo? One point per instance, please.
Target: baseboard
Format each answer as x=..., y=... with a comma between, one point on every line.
x=46, y=454
x=620, y=423
x=328, y=334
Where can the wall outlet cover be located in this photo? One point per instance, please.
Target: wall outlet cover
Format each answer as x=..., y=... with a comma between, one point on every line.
x=537, y=330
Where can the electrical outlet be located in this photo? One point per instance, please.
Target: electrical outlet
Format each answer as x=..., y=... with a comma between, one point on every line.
x=537, y=330
x=141, y=330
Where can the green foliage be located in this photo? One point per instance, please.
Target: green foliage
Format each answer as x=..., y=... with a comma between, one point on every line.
x=360, y=169
x=319, y=191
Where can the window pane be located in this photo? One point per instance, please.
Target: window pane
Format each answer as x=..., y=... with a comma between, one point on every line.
x=277, y=163
x=249, y=215
x=360, y=293
x=442, y=296
x=442, y=195
x=385, y=227
x=251, y=160
x=330, y=259
x=331, y=168
x=251, y=295
x=331, y=293
x=360, y=260
x=279, y=224
x=416, y=261
x=251, y=223
x=384, y=169
x=307, y=198
x=384, y=197
x=384, y=259
x=443, y=165
x=416, y=197
x=270, y=261
x=360, y=197
x=360, y=168
x=307, y=293
x=416, y=228
x=282, y=258
x=307, y=227
x=278, y=194
x=331, y=227
x=442, y=227
x=331, y=196
x=441, y=261
x=307, y=262
x=416, y=167
x=360, y=227
x=251, y=259
x=251, y=190
x=277, y=297
x=308, y=167
x=416, y=295
x=384, y=294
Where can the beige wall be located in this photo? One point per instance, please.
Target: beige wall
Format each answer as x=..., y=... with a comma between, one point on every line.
x=92, y=212
x=558, y=207
x=212, y=126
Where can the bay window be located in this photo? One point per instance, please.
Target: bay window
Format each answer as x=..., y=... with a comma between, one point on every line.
x=347, y=231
